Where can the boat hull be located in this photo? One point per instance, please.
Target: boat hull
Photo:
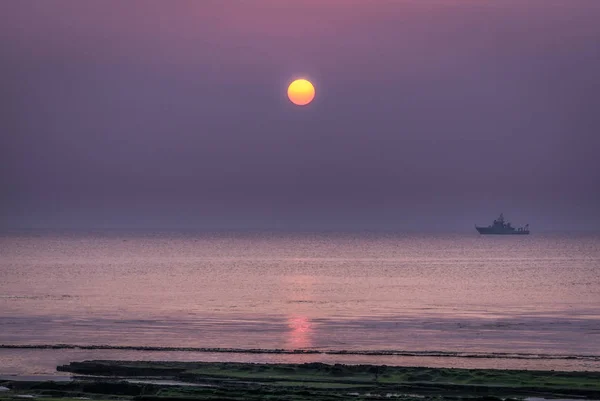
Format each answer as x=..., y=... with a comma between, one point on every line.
x=495, y=231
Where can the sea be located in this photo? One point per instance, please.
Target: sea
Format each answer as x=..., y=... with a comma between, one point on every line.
x=457, y=300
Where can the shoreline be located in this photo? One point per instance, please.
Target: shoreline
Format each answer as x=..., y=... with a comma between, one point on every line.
x=43, y=361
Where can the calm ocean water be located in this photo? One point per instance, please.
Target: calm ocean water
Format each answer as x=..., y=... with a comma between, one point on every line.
x=534, y=297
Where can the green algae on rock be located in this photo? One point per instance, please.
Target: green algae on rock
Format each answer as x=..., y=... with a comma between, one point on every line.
x=323, y=379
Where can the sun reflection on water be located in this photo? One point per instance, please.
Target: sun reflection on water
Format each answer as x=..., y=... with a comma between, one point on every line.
x=300, y=333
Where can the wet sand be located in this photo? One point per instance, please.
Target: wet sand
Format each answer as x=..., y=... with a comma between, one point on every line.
x=31, y=362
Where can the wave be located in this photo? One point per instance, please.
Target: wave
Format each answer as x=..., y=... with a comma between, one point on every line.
x=433, y=354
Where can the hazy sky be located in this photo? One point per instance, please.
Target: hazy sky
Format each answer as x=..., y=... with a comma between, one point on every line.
x=429, y=114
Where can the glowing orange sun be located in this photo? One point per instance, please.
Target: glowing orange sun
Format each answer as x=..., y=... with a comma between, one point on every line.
x=301, y=92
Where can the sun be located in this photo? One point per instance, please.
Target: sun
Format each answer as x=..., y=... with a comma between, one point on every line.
x=301, y=92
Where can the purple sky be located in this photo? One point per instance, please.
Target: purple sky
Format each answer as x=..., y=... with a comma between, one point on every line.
x=429, y=114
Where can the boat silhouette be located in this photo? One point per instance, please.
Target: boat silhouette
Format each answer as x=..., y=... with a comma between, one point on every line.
x=502, y=227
